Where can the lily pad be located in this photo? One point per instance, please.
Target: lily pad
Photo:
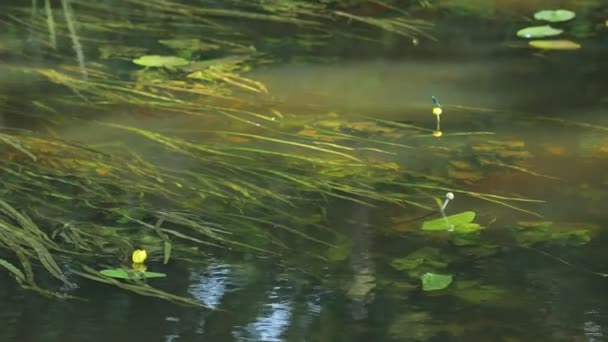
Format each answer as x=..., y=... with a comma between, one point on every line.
x=461, y=223
x=122, y=273
x=554, y=16
x=423, y=260
x=434, y=282
x=160, y=61
x=555, y=44
x=539, y=32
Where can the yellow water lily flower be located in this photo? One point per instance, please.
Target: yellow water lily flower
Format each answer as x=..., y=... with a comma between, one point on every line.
x=139, y=256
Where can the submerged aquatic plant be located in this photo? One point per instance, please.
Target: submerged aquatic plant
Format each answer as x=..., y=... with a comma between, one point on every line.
x=260, y=187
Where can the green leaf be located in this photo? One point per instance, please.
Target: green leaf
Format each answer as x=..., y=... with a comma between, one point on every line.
x=340, y=250
x=529, y=233
x=160, y=61
x=166, y=252
x=122, y=273
x=554, y=44
x=554, y=16
x=424, y=256
x=434, y=282
x=539, y=32
x=461, y=222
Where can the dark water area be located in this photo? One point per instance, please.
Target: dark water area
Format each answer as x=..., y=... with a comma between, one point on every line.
x=548, y=107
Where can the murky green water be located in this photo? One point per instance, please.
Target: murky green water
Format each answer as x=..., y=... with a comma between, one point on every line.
x=531, y=104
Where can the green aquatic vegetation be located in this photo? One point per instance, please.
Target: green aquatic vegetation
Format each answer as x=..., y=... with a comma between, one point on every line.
x=170, y=62
x=530, y=233
x=240, y=191
x=421, y=261
x=434, y=281
x=477, y=293
x=121, y=52
x=554, y=16
x=122, y=273
x=341, y=249
x=421, y=326
x=459, y=223
x=539, y=32
x=474, y=245
x=189, y=44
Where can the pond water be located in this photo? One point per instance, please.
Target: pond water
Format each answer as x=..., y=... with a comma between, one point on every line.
x=536, y=272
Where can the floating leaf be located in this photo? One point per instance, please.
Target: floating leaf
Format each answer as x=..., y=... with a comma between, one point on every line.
x=529, y=233
x=556, y=44
x=122, y=273
x=421, y=261
x=434, y=282
x=539, y=32
x=554, y=16
x=160, y=61
x=462, y=223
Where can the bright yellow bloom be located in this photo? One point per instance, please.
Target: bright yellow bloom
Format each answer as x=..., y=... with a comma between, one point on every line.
x=437, y=133
x=437, y=110
x=139, y=256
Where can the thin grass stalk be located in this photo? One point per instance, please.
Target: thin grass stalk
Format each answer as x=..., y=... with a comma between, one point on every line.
x=70, y=21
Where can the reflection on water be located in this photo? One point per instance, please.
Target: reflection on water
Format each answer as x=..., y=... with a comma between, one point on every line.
x=270, y=324
x=210, y=286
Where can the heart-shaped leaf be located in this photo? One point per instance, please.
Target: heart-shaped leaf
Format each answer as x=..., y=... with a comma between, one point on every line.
x=434, y=282
x=461, y=222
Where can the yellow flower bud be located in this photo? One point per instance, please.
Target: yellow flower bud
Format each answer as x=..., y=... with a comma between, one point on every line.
x=139, y=267
x=139, y=256
x=437, y=133
x=437, y=110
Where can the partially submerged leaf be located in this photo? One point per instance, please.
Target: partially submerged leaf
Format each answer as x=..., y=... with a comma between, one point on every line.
x=122, y=273
x=554, y=16
x=539, y=32
x=529, y=233
x=423, y=260
x=160, y=61
x=434, y=282
x=556, y=44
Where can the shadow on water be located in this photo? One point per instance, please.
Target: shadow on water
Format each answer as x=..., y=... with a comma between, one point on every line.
x=506, y=286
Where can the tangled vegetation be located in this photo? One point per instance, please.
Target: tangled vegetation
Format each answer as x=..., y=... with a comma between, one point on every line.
x=261, y=183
